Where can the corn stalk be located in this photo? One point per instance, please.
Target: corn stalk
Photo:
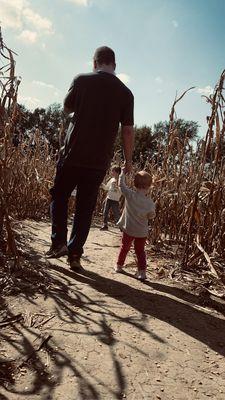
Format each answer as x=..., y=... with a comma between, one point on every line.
x=8, y=111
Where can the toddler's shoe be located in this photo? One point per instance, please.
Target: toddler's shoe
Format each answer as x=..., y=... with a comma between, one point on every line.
x=141, y=275
x=118, y=268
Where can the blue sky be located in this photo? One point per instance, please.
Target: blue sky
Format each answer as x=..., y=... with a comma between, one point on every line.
x=162, y=47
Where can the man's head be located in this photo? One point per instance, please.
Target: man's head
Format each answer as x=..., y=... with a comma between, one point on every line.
x=104, y=58
x=142, y=180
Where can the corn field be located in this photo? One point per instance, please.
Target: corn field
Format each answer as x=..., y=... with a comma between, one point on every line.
x=188, y=186
x=25, y=172
x=189, y=191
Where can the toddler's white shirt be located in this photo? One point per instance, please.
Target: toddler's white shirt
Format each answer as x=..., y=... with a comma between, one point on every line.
x=113, y=190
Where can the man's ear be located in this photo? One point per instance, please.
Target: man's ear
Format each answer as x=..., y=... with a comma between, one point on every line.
x=94, y=64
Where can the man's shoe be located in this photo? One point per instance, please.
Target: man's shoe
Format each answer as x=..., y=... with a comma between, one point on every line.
x=104, y=228
x=57, y=251
x=75, y=264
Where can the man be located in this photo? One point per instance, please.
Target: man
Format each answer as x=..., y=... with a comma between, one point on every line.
x=99, y=102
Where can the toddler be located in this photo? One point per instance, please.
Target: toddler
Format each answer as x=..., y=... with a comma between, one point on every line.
x=134, y=220
x=112, y=199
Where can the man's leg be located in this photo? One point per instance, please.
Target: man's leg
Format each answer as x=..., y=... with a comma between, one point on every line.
x=87, y=192
x=64, y=183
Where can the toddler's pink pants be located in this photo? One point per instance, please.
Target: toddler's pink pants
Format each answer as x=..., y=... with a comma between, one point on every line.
x=139, y=247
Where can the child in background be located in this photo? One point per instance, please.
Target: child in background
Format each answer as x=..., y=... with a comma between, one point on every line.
x=112, y=199
x=134, y=220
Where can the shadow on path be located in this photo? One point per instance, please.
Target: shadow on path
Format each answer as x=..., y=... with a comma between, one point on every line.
x=206, y=328
x=73, y=306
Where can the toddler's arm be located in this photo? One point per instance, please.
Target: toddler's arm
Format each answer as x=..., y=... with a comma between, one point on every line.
x=151, y=213
x=122, y=185
x=106, y=186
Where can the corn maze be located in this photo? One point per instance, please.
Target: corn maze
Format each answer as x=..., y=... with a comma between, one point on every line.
x=188, y=185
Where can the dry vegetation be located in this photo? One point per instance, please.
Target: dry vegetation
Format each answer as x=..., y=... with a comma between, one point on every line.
x=190, y=193
x=188, y=185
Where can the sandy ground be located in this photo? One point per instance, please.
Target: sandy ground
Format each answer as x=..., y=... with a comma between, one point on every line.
x=102, y=335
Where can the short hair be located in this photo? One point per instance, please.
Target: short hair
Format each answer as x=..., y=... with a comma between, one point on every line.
x=116, y=168
x=142, y=180
x=104, y=55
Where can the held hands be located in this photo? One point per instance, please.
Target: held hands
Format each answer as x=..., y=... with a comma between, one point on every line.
x=127, y=168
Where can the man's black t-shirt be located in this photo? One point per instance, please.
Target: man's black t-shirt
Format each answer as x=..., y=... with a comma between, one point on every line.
x=100, y=102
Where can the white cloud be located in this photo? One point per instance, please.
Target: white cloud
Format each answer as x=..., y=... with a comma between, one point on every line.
x=207, y=90
x=159, y=91
x=42, y=23
x=159, y=80
x=56, y=93
x=43, y=84
x=123, y=77
x=84, y=3
x=175, y=23
x=28, y=36
x=11, y=13
x=19, y=16
x=30, y=102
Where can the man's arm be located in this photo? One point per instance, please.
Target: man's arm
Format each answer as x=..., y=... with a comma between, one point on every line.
x=69, y=105
x=127, y=133
x=66, y=110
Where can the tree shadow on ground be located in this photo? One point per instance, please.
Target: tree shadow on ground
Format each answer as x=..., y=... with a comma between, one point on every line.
x=74, y=307
x=206, y=328
x=25, y=339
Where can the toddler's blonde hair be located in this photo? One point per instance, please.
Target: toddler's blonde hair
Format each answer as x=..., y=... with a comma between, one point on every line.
x=142, y=180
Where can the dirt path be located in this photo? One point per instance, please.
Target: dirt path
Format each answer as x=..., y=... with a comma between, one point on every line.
x=103, y=335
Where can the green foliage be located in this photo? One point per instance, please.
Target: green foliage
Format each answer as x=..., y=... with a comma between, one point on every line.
x=149, y=142
x=47, y=121
x=184, y=128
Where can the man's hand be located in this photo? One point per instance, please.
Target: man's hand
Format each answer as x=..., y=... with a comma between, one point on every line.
x=127, y=167
x=128, y=145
